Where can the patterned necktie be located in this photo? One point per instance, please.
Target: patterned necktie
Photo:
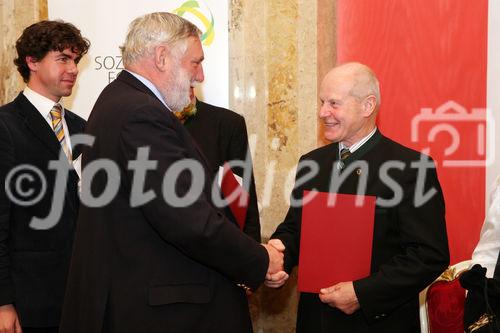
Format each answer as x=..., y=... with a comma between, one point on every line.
x=57, y=125
x=344, y=154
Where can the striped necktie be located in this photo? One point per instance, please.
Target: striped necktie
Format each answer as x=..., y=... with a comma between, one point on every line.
x=344, y=153
x=57, y=125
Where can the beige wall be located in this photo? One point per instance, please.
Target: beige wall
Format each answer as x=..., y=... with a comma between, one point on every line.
x=279, y=50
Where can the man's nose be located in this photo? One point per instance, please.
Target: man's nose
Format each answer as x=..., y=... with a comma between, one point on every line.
x=323, y=111
x=200, y=75
x=72, y=67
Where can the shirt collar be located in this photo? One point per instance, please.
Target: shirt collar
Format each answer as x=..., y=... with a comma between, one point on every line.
x=150, y=86
x=41, y=103
x=358, y=144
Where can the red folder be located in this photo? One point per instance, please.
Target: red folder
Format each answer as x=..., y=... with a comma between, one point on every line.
x=237, y=196
x=336, y=239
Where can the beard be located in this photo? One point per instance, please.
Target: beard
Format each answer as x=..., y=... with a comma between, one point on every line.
x=177, y=95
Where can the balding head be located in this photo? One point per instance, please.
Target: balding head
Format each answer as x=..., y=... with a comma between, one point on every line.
x=362, y=79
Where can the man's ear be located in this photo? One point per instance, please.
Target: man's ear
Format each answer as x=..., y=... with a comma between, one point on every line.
x=369, y=105
x=161, y=57
x=32, y=63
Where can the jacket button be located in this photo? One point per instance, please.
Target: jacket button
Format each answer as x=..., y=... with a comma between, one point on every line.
x=242, y=285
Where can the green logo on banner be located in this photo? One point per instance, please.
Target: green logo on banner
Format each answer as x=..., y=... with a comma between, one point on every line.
x=193, y=7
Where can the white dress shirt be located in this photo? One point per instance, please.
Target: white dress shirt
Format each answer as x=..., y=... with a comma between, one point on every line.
x=358, y=144
x=488, y=247
x=354, y=147
x=44, y=105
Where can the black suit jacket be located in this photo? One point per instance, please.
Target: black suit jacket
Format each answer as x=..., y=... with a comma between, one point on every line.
x=154, y=267
x=34, y=263
x=222, y=136
x=410, y=247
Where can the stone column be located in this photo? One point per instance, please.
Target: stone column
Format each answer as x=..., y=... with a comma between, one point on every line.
x=15, y=15
x=279, y=51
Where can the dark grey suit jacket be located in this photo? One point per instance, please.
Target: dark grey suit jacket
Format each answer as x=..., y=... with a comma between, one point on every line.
x=34, y=263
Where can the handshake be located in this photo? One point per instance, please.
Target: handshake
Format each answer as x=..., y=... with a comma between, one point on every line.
x=276, y=275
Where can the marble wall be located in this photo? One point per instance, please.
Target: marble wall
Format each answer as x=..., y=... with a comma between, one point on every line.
x=279, y=51
x=15, y=15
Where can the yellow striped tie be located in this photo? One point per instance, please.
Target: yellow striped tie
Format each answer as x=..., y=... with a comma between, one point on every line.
x=57, y=125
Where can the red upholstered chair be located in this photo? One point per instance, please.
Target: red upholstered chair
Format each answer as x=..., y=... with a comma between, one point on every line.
x=442, y=302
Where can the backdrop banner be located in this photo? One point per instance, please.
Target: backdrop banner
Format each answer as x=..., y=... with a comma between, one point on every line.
x=438, y=65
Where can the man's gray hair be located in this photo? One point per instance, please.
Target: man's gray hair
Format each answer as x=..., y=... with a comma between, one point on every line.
x=151, y=30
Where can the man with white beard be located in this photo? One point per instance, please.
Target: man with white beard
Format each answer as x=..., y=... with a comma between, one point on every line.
x=152, y=251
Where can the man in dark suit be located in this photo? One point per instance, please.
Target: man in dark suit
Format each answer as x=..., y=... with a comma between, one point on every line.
x=34, y=129
x=221, y=134
x=158, y=255
x=410, y=246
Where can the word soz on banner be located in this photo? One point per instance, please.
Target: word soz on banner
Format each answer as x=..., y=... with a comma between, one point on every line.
x=113, y=64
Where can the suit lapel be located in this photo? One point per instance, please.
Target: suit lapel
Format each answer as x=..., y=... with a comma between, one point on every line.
x=327, y=165
x=74, y=127
x=131, y=80
x=38, y=128
x=37, y=125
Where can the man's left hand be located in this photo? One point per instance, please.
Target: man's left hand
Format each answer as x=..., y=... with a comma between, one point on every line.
x=276, y=280
x=341, y=296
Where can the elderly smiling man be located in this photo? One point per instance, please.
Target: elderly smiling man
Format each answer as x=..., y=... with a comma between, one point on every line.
x=410, y=246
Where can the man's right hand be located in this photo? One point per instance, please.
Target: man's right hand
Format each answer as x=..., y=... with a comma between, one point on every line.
x=9, y=323
x=276, y=279
x=275, y=259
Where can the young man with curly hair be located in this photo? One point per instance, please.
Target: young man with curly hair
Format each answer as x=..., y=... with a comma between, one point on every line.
x=34, y=129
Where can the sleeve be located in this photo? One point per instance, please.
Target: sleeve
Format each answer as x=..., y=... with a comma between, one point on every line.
x=199, y=230
x=7, y=292
x=488, y=247
x=424, y=250
x=238, y=150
